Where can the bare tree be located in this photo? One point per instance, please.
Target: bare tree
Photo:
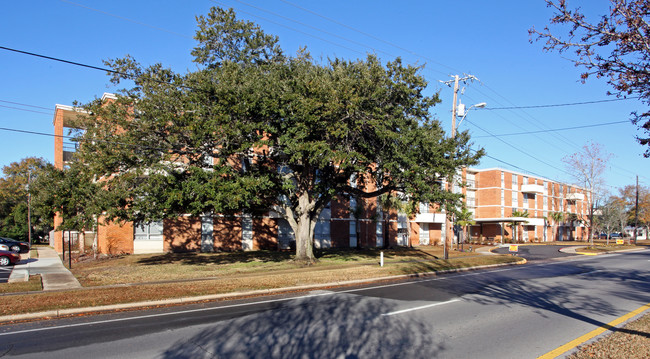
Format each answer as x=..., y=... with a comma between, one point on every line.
x=610, y=214
x=615, y=46
x=587, y=168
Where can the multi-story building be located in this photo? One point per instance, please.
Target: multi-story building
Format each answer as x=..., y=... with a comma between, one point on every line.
x=492, y=195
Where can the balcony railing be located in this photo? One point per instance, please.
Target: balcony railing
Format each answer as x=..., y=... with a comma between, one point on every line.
x=532, y=188
x=575, y=196
x=430, y=218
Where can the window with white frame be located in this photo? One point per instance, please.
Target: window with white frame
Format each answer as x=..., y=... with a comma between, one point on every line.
x=149, y=231
x=525, y=203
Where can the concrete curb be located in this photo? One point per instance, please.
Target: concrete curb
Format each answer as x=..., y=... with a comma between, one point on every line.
x=21, y=274
x=56, y=313
x=608, y=252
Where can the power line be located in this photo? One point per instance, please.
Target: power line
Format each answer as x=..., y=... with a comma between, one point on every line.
x=551, y=130
x=561, y=104
x=125, y=75
x=129, y=20
x=25, y=109
x=294, y=29
x=369, y=35
x=64, y=61
x=26, y=105
x=522, y=151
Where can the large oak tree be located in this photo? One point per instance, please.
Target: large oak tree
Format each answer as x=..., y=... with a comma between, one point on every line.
x=254, y=130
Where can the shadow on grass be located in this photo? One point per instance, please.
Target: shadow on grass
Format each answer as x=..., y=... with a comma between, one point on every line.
x=333, y=255
x=217, y=258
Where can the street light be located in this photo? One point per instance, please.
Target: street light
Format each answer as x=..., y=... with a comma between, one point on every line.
x=462, y=112
x=457, y=110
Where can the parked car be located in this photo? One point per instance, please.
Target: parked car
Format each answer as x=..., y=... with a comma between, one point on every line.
x=14, y=245
x=8, y=257
x=615, y=235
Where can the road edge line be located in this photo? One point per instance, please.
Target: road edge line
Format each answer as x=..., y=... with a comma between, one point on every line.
x=592, y=334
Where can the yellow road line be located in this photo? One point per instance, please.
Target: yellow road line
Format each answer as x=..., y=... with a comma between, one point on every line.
x=587, y=253
x=609, y=326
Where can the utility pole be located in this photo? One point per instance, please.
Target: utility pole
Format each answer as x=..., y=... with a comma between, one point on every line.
x=636, y=209
x=456, y=79
x=29, y=209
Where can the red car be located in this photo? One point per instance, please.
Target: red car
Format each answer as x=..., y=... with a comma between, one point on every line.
x=8, y=257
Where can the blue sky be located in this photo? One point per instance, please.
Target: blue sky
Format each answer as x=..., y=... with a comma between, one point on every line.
x=488, y=39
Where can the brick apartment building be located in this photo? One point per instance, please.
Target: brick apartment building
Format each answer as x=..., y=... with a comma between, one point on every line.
x=490, y=194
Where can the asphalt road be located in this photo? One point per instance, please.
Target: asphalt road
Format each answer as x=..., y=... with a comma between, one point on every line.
x=509, y=312
x=536, y=252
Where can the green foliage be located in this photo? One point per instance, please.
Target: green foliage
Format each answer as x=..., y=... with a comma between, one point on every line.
x=13, y=199
x=254, y=130
x=72, y=194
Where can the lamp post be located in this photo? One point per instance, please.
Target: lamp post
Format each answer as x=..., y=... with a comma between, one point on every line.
x=458, y=110
x=461, y=111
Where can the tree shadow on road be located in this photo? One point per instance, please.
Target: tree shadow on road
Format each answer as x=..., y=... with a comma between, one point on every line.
x=570, y=301
x=341, y=326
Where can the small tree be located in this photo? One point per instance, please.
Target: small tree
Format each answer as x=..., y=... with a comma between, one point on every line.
x=556, y=218
x=465, y=219
x=515, y=224
x=587, y=168
x=628, y=195
x=18, y=178
x=71, y=195
x=610, y=213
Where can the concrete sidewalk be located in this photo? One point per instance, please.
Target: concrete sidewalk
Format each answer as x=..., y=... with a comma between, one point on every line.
x=48, y=264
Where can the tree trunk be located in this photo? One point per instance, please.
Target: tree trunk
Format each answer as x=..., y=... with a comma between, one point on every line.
x=82, y=241
x=304, y=243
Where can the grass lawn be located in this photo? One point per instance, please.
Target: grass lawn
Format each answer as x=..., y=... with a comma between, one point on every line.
x=33, y=284
x=183, y=266
x=134, y=278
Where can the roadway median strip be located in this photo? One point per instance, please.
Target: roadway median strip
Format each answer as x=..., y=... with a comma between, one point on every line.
x=594, y=333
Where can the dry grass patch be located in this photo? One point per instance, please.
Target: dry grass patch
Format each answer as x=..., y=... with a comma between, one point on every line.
x=33, y=284
x=607, y=248
x=632, y=341
x=184, y=266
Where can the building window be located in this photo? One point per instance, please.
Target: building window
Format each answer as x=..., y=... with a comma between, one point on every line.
x=424, y=233
x=525, y=204
x=151, y=231
x=424, y=207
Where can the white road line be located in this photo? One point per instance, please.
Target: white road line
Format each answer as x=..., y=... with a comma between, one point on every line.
x=422, y=307
x=417, y=281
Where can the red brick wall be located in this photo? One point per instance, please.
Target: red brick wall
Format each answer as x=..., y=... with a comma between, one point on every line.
x=115, y=238
x=227, y=233
x=182, y=234
x=265, y=233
